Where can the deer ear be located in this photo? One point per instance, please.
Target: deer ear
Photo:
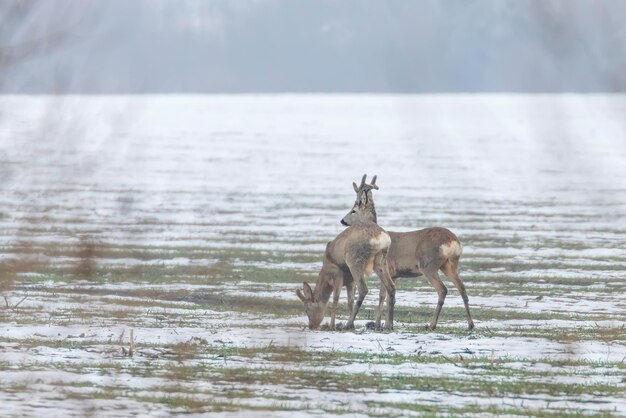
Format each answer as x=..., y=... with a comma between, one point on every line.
x=308, y=293
x=356, y=188
x=300, y=295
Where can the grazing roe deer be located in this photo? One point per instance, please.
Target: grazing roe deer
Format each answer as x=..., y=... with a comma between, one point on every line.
x=354, y=254
x=414, y=253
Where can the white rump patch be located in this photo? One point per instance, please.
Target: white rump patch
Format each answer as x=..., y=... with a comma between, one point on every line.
x=381, y=241
x=451, y=249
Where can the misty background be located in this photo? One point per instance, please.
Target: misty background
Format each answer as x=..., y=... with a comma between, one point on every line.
x=192, y=46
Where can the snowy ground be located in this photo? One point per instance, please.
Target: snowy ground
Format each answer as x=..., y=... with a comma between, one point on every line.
x=190, y=220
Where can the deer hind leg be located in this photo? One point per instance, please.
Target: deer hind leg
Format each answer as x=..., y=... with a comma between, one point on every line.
x=433, y=278
x=381, y=303
x=451, y=269
x=357, y=272
x=380, y=267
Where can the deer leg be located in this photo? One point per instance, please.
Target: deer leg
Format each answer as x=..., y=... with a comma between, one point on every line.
x=350, y=291
x=451, y=269
x=362, y=287
x=382, y=295
x=442, y=291
x=380, y=267
x=333, y=314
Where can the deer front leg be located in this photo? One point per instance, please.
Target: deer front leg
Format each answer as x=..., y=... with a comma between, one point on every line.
x=350, y=290
x=362, y=287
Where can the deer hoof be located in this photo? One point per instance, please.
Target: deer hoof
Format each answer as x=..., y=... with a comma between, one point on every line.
x=470, y=326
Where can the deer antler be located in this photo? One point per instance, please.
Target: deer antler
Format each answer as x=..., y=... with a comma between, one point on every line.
x=365, y=187
x=373, y=184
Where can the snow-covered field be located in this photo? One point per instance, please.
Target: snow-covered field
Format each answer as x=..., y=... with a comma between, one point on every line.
x=188, y=221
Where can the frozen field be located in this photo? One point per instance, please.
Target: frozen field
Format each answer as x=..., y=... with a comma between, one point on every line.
x=189, y=221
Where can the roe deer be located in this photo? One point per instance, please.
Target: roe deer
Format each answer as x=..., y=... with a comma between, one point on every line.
x=414, y=253
x=354, y=254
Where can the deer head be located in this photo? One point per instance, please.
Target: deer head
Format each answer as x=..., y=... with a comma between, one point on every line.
x=314, y=309
x=363, y=209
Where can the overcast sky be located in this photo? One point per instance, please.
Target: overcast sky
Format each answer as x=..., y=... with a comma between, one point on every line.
x=143, y=46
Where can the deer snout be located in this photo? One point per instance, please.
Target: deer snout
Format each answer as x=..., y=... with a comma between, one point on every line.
x=315, y=322
x=344, y=223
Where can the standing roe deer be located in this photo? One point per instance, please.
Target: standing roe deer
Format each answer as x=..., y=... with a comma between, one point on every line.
x=354, y=254
x=414, y=253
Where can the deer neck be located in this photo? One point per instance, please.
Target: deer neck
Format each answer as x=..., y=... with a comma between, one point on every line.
x=370, y=213
x=373, y=215
x=323, y=288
